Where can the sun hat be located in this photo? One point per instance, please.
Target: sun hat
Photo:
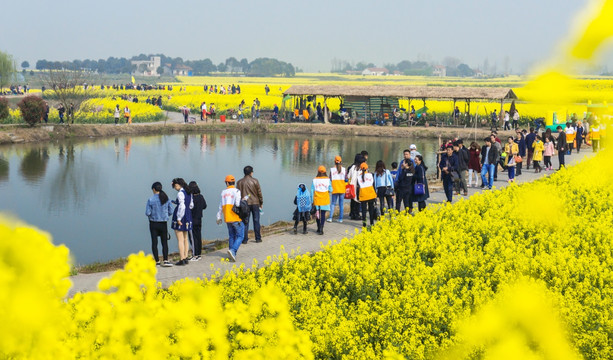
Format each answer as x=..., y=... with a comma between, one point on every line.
x=363, y=166
x=321, y=169
x=413, y=147
x=337, y=159
x=229, y=178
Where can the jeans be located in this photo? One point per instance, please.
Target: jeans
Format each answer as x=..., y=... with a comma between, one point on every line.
x=547, y=161
x=511, y=172
x=235, y=235
x=255, y=211
x=529, y=159
x=159, y=228
x=470, y=177
x=321, y=221
x=383, y=199
x=561, y=158
x=448, y=187
x=487, y=169
x=340, y=199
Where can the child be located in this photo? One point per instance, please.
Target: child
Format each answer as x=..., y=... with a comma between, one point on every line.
x=538, y=154
x=394, y=171
x=548, y=151
x=304, y=203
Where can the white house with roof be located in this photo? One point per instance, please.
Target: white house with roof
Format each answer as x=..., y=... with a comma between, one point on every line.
x=147, y=67
x=439, y=70
x=375, y=71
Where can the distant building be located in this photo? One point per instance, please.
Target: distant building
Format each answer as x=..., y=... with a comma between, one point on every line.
x=439, y=70
x=147, y=67
x=182, y=70
x=375, y=71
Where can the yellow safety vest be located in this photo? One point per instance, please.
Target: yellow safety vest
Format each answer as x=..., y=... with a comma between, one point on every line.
x=338, y=180
x=321, y=195
x=367, y=188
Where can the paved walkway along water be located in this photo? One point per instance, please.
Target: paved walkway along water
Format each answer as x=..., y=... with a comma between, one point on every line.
x=300, y=243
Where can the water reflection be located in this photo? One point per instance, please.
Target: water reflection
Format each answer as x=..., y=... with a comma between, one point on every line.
x=34, y=164
x=75, y=182
x=4, y=169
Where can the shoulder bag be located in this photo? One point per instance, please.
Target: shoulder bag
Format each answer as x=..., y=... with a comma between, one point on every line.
x=420, y=188
x=389, y=190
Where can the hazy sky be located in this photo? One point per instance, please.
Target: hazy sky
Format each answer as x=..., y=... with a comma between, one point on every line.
x=308, y=34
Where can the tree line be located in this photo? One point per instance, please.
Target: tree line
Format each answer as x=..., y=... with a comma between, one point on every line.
x=454, y=67
x=113, y=65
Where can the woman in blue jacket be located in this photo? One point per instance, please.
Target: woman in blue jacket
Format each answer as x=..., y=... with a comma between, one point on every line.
x=384, y=183
x=158, y=211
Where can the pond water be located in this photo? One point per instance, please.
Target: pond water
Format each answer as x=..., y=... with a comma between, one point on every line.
x=90, y=194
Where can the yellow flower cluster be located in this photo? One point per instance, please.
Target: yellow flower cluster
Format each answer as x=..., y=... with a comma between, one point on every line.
x=100, y=110
x=415, y=287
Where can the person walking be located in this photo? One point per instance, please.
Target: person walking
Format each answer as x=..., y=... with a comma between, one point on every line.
x=507, y=123
x=512, y=150
x=463, y=160
x=352, y=177
x=421, y=193
x=449, y=167
x=230, y=198
x=537, y=147
x=548, y=151
x=60, y=111
x=185, y=112
x=530, y=137
x=320, y=192
x=595, y=135
x=474, y=164
x=158, y=211
x=127, y=113
x=203, y=112
x=516, y=119
x=241, y=117
x=561, y=146
x=521, y=151
x=404, y=185
x=116, y=114
x=304, y=203
x=384, y=184
x=251, y=190
x=182, y=218
x=489, y=160
x=338, y=177
x=579, y=136
x=367, y=194
x=196, y=233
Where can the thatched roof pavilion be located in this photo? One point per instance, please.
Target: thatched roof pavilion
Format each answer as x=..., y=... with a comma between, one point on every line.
x=406, y=92
x=380, y=98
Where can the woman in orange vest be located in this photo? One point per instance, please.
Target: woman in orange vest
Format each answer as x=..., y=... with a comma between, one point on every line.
x=320, y=193
x=367, y=193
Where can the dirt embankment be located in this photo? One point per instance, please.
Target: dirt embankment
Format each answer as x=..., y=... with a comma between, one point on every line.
x=11, y=134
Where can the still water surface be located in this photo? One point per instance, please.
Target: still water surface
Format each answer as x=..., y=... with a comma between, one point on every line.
x=90, y=195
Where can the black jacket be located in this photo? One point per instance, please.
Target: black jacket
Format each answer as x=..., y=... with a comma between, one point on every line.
x=199, y=205
x=561, y=144
x=463, y=159
x=492, y=157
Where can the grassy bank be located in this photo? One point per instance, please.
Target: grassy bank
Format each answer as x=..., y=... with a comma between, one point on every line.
x=18, y=134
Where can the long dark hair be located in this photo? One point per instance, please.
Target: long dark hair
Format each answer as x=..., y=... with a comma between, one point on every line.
x=193, y=188
x=421, y=160
x=182, y=183
x=157, y=186
x=380, y=167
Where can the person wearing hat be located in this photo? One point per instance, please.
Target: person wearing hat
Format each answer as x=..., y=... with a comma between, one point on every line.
x=231, y=197
x=414, y=151
x=367, y=193
x=320, y=193
x=449, y=167
x=338, y=175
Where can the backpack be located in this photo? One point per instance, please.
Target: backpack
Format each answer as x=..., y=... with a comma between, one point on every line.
x=303, y=200
x=242, y=210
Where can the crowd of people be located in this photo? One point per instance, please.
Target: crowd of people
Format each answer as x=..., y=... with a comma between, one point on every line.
x=16, y=90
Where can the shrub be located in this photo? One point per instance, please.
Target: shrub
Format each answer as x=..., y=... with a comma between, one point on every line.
x=32, y=109
x=4, y=108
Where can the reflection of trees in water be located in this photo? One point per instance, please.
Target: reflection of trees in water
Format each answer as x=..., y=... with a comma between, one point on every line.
x=4, y=169
x=75, y=182
x=34, y=164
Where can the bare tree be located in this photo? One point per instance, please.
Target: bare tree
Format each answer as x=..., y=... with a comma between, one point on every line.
x=71, y=88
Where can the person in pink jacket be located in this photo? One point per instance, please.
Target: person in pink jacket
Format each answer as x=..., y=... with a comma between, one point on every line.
x=548, y=152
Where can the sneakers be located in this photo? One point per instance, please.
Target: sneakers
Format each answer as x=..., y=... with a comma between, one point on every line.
x=305, y=231
x=181, y=262
x=295, y=231
x=231, y=255
x=166, y=263
x=329, y=220
x=195, y=258
x=340, y=221
x=158, y=263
